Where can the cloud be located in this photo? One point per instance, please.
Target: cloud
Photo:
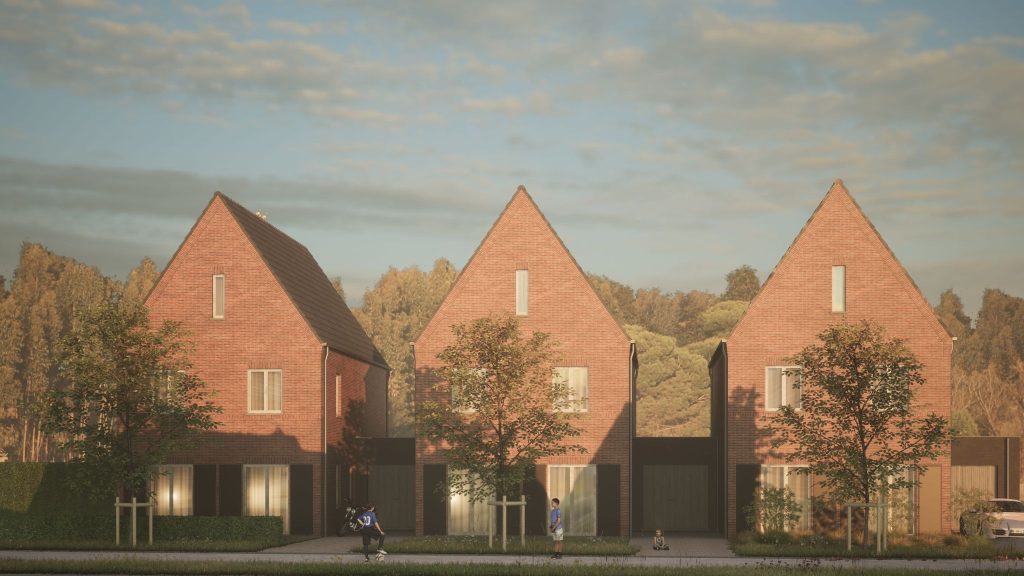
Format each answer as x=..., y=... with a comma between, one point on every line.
x=534, y=103
x=295, y=28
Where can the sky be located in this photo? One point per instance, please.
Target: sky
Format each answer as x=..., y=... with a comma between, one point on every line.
x=667, y=142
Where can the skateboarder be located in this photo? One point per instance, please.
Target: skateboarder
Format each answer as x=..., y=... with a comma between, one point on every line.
x=370, y=529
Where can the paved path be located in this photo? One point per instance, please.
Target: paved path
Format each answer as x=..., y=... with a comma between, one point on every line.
x=858, y=564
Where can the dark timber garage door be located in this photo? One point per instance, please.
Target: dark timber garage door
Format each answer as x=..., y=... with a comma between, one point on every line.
x=676, y=498
x=393, y=491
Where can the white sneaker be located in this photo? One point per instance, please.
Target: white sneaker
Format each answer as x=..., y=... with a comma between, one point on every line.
x=380, y=556
x=382, y=552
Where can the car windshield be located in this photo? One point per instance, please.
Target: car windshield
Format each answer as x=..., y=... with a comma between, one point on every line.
x=1009, y=506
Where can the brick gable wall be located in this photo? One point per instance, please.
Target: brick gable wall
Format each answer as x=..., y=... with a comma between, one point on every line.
x=561, y=303
x=795, y=305
x=261, y=329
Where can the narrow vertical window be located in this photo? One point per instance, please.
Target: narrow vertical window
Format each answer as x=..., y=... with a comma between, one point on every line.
x=522, y=291
x=839, y=288
x=218, y=296
x=337, y=395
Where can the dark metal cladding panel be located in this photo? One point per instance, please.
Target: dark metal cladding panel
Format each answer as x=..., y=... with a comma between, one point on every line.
x=230, y=489
x=608, y=500
x=435, y=512
x=536, y=501
x=300, y=498
x=204, y=489
x=747, y=480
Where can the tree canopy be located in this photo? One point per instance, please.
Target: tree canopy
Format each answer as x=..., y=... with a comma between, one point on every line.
x=857, y=427
x=131, y=398
x=498, y=406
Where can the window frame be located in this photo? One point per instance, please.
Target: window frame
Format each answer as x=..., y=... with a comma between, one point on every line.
x=564, y=503
x=807, y=505
x=574, y=405
x=222, y=295
x=839, y=289
x=248, y=396
x=286, y=517
x=169, y=471
x=784, y=391
x=522, y=292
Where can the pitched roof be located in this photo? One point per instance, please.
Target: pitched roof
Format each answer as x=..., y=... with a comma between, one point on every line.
x=838, y=189
x=521, y=192
x=306, y=284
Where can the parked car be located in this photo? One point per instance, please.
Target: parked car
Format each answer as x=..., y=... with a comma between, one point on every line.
x=1001, y=518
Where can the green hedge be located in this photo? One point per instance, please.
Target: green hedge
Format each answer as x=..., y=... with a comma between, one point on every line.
x=217, y=528
x=43, y=489
x=22, y=527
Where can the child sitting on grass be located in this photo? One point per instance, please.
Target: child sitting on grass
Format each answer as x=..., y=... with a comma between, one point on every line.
x=659, y=541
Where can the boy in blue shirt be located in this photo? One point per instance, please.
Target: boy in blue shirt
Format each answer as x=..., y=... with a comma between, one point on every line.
x=557, y=530
x=370, y=528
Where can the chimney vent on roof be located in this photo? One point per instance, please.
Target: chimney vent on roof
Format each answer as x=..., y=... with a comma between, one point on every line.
x=261, y=215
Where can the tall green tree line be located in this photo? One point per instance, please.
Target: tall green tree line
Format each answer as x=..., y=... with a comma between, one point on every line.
x=43, y=303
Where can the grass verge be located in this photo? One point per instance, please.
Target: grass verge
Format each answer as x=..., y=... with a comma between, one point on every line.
x=950, y=547
x=535, y=546
x=147, y=567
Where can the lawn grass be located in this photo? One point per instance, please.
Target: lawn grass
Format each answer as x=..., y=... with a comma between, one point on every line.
x=952, y=547
x=388, y=568
x=535, y=546
x=165, y=546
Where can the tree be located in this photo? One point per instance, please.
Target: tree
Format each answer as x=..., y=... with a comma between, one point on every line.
x=141, y=280
x=951, y=313
x=741, y=284
x=393, y=314
x=857, y=428
x=131, y=400
x=503, y=413
x=673, y=396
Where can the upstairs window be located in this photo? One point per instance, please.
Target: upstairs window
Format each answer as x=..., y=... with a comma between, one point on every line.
x=265, y=390
x=781, y=387
x=575, y=379
x=522, y=291
x=218, y=296
x=839, y=288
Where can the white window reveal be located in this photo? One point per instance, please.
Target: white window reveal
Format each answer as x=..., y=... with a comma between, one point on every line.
x=172, y=487
x=265, y=391
x=522, y=292
x=266, y=491
x=781, y=387
x=797, y=483
x=575, y=379
x=218, y=296
x=338, y=408
x=576, y=489
x=839, y=288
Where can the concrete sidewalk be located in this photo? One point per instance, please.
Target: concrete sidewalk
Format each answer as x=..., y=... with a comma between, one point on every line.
x=271, y=557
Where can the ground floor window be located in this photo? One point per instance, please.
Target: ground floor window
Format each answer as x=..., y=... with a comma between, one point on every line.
x=576, y=488
x=172, y=487
x=467, y=513
x=903, y=506
x=266, y=491
x=799, y=484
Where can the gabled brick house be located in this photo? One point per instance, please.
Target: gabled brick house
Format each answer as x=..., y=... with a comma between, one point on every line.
x=522, y=267
x=837, y=269
x=285, y=359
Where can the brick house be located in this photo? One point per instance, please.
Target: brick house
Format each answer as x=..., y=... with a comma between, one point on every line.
x=522, y=267
x=285, y=359
x=837, y=269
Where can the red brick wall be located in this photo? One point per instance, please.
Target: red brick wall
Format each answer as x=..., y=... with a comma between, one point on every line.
x=261, y=329
x=795, y=305
x=561, y=303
